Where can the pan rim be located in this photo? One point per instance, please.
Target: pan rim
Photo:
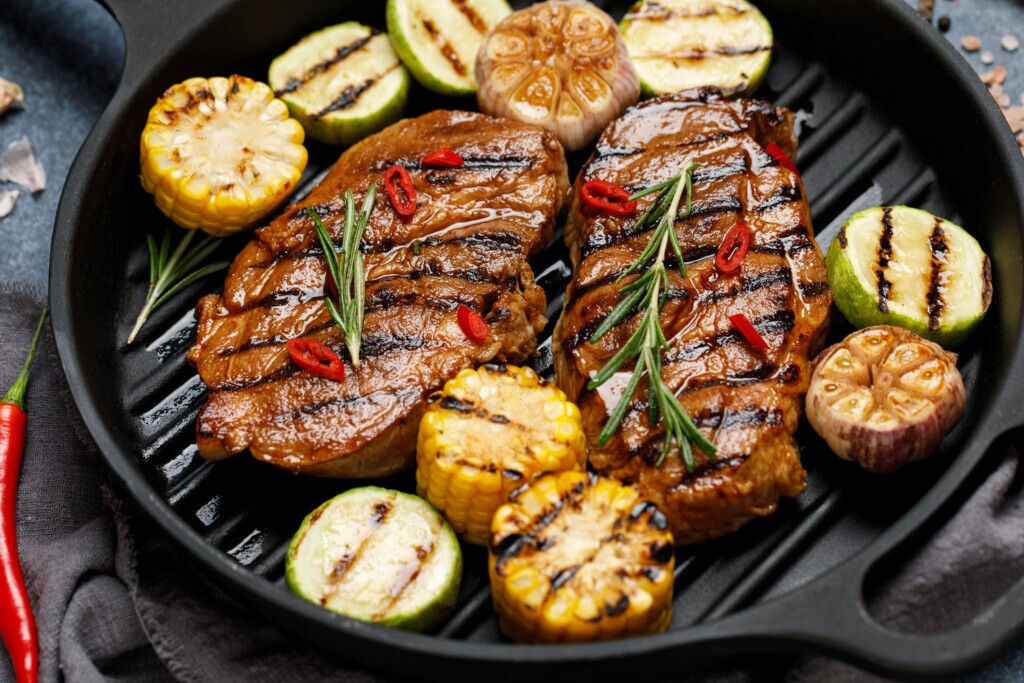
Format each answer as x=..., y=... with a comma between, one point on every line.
x=124, y=466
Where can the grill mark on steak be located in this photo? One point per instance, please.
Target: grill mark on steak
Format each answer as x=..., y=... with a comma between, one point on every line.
x=601, y=240
x=401, y=396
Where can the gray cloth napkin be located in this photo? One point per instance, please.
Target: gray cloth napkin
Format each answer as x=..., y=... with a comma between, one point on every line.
x=114, y=601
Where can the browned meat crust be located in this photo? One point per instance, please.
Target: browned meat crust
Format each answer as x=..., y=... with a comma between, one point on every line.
x=475, y=228
x=746, y=401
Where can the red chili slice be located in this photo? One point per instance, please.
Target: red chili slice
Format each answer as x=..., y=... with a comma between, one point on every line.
x=472, y=325
x=606, y=196
x=400, y=190
x=734, y=249
x=316, y=358
x=746, y=328
x=445, y=158
x=776, y=152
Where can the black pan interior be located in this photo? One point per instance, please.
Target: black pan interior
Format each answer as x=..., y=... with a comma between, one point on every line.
x=885, y=120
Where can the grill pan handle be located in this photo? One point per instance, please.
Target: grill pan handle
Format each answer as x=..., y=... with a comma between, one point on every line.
x=153, y=29
x=830, y=617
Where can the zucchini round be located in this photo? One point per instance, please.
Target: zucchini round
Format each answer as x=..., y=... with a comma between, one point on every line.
x=377, y=555
x=681, y=44
x=901, y=266
x=438, y=39
x=342, y=83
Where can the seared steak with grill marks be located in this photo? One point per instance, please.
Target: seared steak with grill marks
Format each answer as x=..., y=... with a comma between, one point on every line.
x=467, y=244
x=746, y=401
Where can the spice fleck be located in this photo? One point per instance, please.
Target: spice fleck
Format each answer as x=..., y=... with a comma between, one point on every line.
x=970, y=43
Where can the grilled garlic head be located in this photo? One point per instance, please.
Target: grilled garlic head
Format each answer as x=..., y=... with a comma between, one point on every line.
x=884, y=397
x=560, y=64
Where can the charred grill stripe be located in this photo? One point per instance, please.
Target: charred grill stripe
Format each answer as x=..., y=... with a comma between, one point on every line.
x=340, y=54
x=782, y=196
x=842, y=237
x=884, y=254
x=596, y=242
x=408, y=574
x=704, y=53
x=446, y=48
x=372, y=346
x=474, y=19
x=605, y=152
x=750, y=416
x=619, y=607
x=314, y=408
x=452, y=403
x=562, y=577
x=484, y=163
x=813, y=289
x=350, y=95
x=656, y=12
x=514, y=544
x=751, y=283
x=781, y=321
x=377, y=516
x=939, y=249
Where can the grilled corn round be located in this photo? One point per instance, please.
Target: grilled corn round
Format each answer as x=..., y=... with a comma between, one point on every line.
x=488, y=432
x=578, y=557
x=220, y=153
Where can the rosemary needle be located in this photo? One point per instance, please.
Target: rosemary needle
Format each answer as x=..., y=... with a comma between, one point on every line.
x=648, y=293
x=172, y=271
x=347, y=270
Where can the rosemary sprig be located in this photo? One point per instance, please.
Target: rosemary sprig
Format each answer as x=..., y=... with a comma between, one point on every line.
x=172, y=271
x=348, y=270
x=648, y=293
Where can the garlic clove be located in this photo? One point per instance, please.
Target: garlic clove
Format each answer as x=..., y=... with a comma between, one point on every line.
x=884, y=397
x=20, y=166
x=10, y=95
x=7, y=200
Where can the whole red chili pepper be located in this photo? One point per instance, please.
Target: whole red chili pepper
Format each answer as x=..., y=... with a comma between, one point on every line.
x=17, y=625
x=400, y=190
x=471, y=324
x=749, y=332
x=316, y=358
x=443, y=158
x=605, y=196
x=733, y=249
x=776, y=152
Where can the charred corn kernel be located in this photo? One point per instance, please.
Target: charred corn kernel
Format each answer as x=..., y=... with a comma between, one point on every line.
x=219, y=154
x=577, y=557
x=486, y=434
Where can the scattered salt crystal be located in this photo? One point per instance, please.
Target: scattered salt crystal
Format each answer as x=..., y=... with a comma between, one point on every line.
x=19, y=166
x=10, y=95
x=1003, y=100
x=971, y=43
x=1010, y=42
x=7, y=199
x=987, y=57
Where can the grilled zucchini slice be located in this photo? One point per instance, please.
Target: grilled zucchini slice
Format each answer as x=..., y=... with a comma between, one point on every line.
x=577, y=557
x=681, y=44
x=220, y=153
x=342, y=83
x=895, y=265
x=377, y=555
x=438, y=39
x=487, y=433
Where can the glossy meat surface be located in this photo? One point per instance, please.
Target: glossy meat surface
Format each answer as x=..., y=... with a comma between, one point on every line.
x=467, y=243
x=745, y=400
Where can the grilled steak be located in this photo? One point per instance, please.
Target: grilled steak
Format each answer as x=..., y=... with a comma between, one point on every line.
x=467, y=244
x=746, y=401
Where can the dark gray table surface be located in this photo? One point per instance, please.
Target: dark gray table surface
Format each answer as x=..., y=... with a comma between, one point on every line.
x=67, y=55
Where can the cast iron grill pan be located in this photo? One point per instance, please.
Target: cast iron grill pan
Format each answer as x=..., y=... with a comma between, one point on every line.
x=889, y=115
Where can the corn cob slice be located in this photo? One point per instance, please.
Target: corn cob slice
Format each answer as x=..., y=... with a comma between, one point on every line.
x=219, y=154
x=487, y=433
x=578, y=557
